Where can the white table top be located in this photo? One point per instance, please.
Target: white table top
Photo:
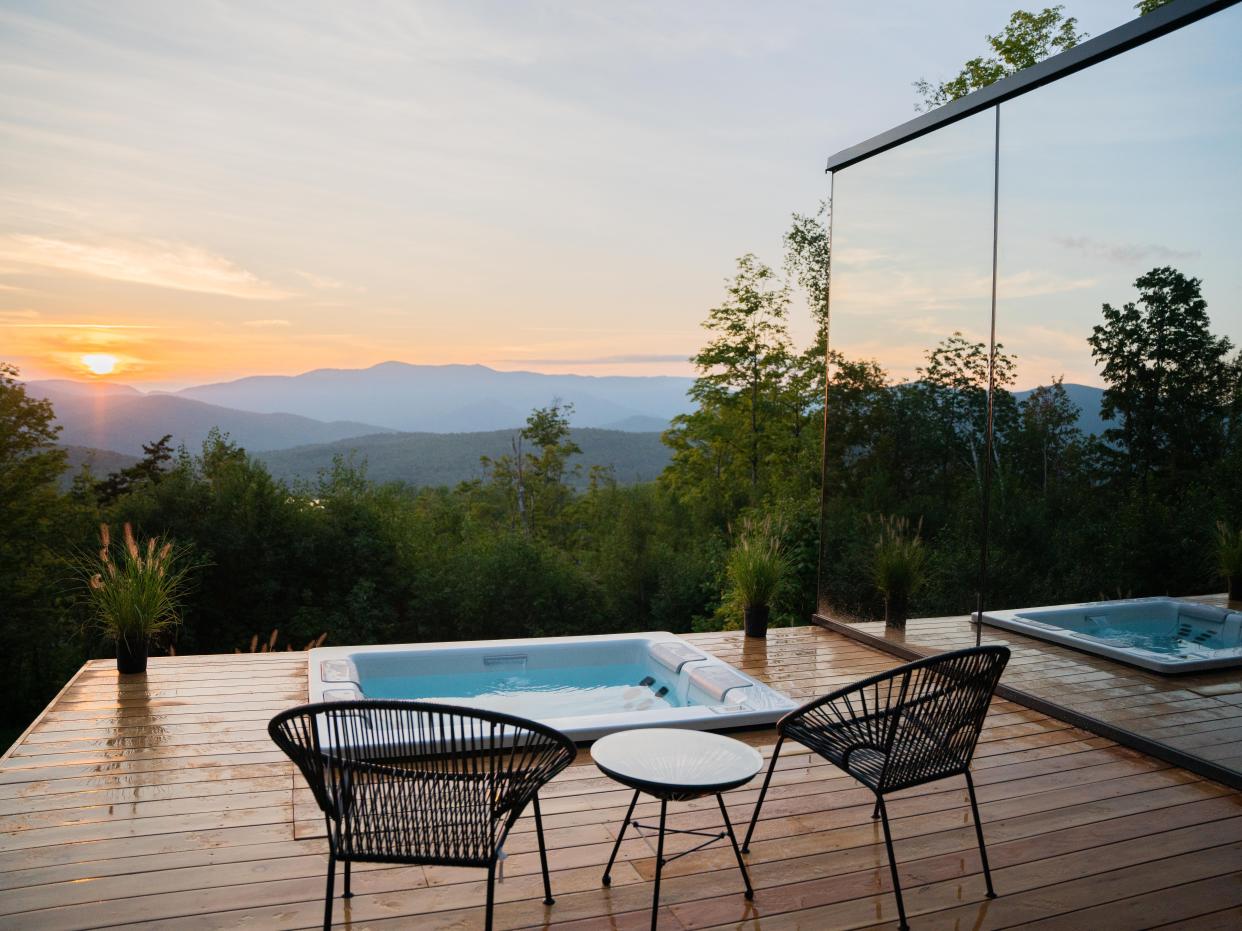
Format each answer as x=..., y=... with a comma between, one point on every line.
x=675, y=757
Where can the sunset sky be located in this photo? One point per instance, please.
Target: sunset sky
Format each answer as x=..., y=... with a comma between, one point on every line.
x=209, y=190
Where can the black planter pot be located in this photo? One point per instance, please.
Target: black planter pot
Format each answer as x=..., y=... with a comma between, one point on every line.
x=756, y=621
x=131, y=657
x=896, y=612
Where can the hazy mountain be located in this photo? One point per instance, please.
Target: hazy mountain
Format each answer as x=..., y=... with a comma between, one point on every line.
x=1088, y=399
x=120, y=418
x=450, y=398
x=102, y=462
x=449, y=458
x=639, y=423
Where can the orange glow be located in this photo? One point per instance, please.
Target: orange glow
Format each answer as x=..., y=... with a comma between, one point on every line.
x=99, y=363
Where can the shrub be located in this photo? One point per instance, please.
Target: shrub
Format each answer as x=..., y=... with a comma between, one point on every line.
x=135, y=590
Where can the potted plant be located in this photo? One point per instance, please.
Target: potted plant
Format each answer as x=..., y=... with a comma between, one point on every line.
x=1229, y=558
x=757, y=568
x=899, y=567
x=135, y=593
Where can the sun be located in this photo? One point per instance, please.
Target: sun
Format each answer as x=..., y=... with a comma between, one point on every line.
x=99, y=363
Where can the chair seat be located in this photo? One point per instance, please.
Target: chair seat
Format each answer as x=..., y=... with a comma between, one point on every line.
x=852, y=745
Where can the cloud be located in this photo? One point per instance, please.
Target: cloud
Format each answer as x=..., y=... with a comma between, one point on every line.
x=154, y=262
x=630, y=359
x=266, y=323
x=1125, y=253
x=319, y=281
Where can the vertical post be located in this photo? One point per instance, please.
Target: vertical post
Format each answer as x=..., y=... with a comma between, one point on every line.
x=988, y=428
x=820, y=582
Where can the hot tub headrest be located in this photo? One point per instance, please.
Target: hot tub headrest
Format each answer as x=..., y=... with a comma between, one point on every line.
x=716, y=680
x=1207, y=613
x=337, y=670
x=672, y=655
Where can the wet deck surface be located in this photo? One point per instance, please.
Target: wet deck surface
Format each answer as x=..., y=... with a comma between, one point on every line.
x=162, y=803
x=1197, y=714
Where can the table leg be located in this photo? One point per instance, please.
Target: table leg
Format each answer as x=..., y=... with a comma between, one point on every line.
x=741, y=865
x=617, y=846
x=655, y=897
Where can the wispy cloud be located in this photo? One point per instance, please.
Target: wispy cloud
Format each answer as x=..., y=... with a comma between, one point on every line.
x=1125, y=253
x=152, y=262
x=630, y=359
x=266, y=323
x=319, y=281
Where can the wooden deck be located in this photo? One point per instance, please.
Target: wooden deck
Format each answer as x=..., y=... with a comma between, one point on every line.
x=162, y=803
x=1192, y=720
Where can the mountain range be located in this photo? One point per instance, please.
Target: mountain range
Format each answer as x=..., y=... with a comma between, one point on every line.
x=453, y=398
x=425, y=424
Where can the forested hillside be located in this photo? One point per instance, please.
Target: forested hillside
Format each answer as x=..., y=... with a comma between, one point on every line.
x=423, y=459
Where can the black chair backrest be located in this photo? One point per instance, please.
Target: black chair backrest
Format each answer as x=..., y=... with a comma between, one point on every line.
x=419, y=781
x=940, y=704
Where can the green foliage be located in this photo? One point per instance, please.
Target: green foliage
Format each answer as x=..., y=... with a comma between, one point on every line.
x=758, y=566
x=36, y=643
x=899, y=566
x=1150, y=6
x=1228, y=551
x=135, y=589
x=149, y=469
x=1027, y=38
x=1168, y=381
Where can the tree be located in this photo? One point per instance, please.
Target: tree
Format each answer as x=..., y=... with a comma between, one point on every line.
x=534, y=483
x=1027, y=38
x=1048, y=429
x=34, y=518
x=743, y=368
x=155, y=460
x=1168, y=382
x=1150, y=6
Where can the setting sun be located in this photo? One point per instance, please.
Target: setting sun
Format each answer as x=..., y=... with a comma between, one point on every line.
x=99, y=363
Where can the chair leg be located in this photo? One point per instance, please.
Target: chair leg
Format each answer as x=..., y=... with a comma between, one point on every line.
x=543, y=856
x=741, y=864
x=875, y=812
x=776, y=752
x=491, y=894
x=892, y=865
x=327, y=896
x=617, y=846
x=983, y=850
x=655, y=895
x=348, y=894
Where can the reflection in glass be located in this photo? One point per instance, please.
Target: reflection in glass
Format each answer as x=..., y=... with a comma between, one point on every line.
x=910, y=313
x=1120, y=199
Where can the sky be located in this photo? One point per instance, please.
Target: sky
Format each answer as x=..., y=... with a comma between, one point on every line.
x=211, y=190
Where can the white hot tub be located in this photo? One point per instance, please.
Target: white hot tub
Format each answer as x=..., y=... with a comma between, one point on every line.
x=585, y=687
x=1166, y=635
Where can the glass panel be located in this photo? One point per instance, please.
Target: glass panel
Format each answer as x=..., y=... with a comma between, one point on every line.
x=910, y=313
x=1121, y=188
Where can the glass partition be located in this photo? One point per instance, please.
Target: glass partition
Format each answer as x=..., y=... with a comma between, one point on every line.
x=1118, y=283
x=910, y=309
x=1117, y=460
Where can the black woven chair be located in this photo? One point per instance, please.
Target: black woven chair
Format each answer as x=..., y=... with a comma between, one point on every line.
x=915, y=724
x=419, y=782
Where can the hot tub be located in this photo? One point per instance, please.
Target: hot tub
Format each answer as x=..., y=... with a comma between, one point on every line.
x=585, y=687
x=1166, y=635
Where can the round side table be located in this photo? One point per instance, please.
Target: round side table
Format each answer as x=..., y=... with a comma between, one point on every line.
x=675, y=766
